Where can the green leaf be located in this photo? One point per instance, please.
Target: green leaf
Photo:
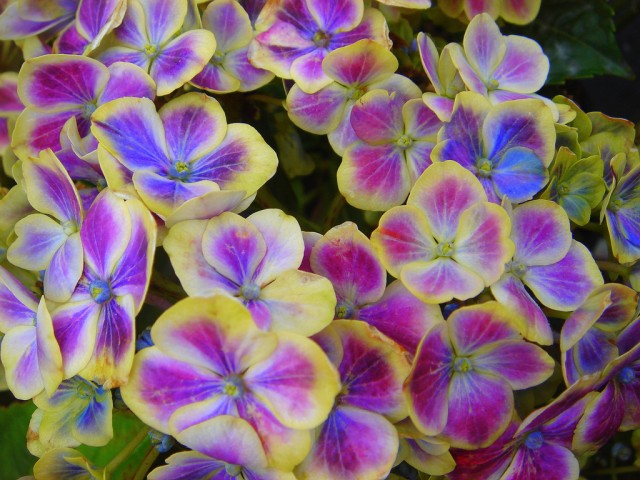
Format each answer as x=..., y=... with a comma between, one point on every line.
x=578, y=37
x=15, y=459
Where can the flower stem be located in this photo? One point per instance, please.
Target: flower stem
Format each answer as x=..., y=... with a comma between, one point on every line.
x=126, y=452
x=148, y=460
x=612, y=267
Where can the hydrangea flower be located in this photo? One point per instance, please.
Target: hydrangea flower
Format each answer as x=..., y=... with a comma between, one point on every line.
x=559, y=271
x=223, y=447
x=355, y=70
x=394, y=148
x=358, y=439
x=255, y=260
x=10, y=107
x=210, y=361
x=519, y=12
x=50, y=240
x=424, y=453
x=448, y=241
x=295, y=36
x=183, y=152
x=55, y=88
x=464, y=372
x=229, y=69
x=346, y=257
x=150, y=37
x=65, y=463
x=95, y=327
x=29, y=351
x=78, y=412
x=500, y=67
x=508, y=146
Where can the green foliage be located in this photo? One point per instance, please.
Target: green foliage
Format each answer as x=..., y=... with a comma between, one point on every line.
x=15, y=459
x=578, y=37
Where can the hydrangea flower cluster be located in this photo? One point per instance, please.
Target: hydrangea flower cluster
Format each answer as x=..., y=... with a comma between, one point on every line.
x=148, y=271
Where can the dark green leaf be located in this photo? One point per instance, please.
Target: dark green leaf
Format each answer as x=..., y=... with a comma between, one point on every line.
x=578, y=37
x=15, y=459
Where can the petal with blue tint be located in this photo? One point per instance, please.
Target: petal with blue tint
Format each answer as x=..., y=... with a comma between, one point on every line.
x=39, y=237
x=127, y=80
x=519, y=174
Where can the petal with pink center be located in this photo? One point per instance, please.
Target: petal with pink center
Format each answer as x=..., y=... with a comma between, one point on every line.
x=443, y=192
x=505, y=360
x=105, y=233
x=403, y=236
x=441, y=106
x=373, y=26
x=183, y=244
x=127, y=80
x=524, y=67
x=480, y=408
x=131, y=130
x=319, y=112
x=601, y=420
x=216, y=333
x=230, y=24
x=477, y=326
x=36, y=130
x=566, y=284
x=549, y=461
x=70, y=42
x=181, y=59
x=307, y=72
x=340, y=15
x=520, y=12
x=595, y=350
x=484, y=46
x=17, y=304
x=159, y=385
x=541, y=233
x=587, y=315
x=482, y=241
x=343, y=135
x=361, y=63
x=429, y=57
x=509, y=290
x=418, y=159
x=283, y=240
x=441, y=280
x=372, y=370
x=234, y=247
x=353, y=443
x=468, y=74
x=377, y=117
x=374, y=177
x=215, y=78
x=243, y=161
x=39, y=237
x=120, y=54
x=427, y=387
x=520, y=123
x=276, y=48
x=401, y=316
x=420, y=121
x=65, y=269
x=237, y=64
x=345, y=256
x=55, y=82
x=299, y=302
x=297, y=383
x=76, y=326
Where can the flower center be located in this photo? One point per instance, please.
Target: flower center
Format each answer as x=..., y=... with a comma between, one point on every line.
x=534, y=440
x=563, y=189
x=233, y=386
x=405, y=141
x=233, y=470
x=344, y=310
x=100, y=291
x=462, y=365
x=444, y=249
x=626, y=375
x=250, y=291
x=321, y=39
x=180, y=171
x=493, y=84
x=88, y=109
x=151, y=51
x=615, y=204
x=516, y=268
x=484, y=167
x=355, y=93
x=69, y=227
x=218, y=58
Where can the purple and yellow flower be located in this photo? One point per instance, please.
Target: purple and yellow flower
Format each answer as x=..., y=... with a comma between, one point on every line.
x=184, y=154
x=229, y=69
x=65, y=463
x=507, y=146
x=464, y=373
x=296, y=35
x=95, y=327
x=210, y=361
x=79, y=26
x=426, y=454
x=222, y=447
x=78, y=412
x=29, y=351
x=10, y=107
x=518, y=12
x=50, y=240
x=55, y=88
x=255, y=260
x=394, y=148
x=448, y=241
x=444, y=77
x=499, y=67
x=150, y=37
x=358, y=439
x=355, y=70
x=559, y=271
x=345, y=256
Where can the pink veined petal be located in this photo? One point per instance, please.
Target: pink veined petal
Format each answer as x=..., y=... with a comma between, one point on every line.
x=215, y=78
x=524, y=67
x=601, y=420
x=473, y=8
x=320, y=112
x=70, y=42
x=125, y=55
x=421, y=123
x=362, y=63
x=237, y=64
x=307, y=72
x=442, y=106
x=36, y=130
x=230, y=24
x=127, y=80
x=429, y=57
x=377, y=117
x=340, y=15
x=566, y=284
x=484, y=46
x=469, y=75
x=549, y=461
x=520, y=12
